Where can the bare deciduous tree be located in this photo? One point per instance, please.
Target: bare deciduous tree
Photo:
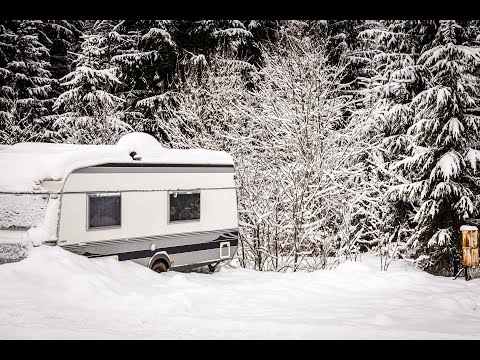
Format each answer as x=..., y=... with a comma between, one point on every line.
x=300, y=185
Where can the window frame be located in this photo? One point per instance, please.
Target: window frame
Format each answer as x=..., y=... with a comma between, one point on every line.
x=196, y=191
x=103, y=194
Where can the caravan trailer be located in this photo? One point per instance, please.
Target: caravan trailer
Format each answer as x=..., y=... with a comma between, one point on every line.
x=167, y=209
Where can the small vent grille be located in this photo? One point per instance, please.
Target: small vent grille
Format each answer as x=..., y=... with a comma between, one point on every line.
x=224, y=250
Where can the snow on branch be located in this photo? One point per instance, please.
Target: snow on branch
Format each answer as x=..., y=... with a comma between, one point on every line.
x=449, y=166
x=473, y=156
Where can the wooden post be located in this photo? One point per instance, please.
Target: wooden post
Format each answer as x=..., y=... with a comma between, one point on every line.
x=469, y=247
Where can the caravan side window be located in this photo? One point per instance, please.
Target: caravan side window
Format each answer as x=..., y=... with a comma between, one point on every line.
x=104, y=210
x=184, y=205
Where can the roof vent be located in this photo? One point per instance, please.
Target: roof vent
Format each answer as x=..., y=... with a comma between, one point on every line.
x=135, y=156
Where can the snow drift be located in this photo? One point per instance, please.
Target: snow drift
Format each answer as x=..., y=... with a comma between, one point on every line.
x=56, y=294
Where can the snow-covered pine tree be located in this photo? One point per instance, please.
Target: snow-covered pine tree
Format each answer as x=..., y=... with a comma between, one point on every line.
x=199, y=41
x=26, y=83
x=442, y=164
x=62, y=38
x=7, y=50
x=224, y=37
x=263, y=32
x=89, y=111
x=386, y=114
x=396, y=78
x=341, y=38
x=159, y=54
x=147, y=58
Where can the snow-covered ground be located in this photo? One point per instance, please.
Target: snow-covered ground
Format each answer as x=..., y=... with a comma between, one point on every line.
x=56, y=294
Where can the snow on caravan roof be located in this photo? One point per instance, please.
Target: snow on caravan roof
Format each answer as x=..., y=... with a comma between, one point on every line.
x=25, y=165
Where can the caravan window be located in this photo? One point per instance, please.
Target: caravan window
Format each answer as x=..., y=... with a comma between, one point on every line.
x=184, y=206
x=104, y=210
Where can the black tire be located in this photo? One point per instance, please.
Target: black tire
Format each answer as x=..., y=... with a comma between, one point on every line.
x=159, y=266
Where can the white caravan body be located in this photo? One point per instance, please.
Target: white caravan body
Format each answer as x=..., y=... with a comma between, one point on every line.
x=175, y=208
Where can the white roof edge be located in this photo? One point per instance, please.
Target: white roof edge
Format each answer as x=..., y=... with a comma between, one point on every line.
x=468, y=228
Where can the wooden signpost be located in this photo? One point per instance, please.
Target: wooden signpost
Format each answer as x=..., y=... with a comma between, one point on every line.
x=469, y=248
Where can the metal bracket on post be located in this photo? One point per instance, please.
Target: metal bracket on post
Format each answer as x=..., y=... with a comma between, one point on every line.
x=212, y=267
x=458, y=273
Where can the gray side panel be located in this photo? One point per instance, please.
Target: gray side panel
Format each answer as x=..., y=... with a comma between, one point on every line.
x=146, y=169
x=184, y=248
x=128, y=245
x=196, y=257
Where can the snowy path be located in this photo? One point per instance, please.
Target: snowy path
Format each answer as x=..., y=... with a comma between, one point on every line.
x=55, y=294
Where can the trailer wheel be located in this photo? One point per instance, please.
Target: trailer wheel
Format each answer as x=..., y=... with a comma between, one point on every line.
x=159, y=266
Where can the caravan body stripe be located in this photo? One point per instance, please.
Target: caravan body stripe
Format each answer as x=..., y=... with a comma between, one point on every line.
x=140, y=247
x=154, y=168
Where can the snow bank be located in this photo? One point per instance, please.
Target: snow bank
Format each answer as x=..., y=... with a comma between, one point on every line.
x=26, y=220
x=21, y=219
x=22, y=211
x=13, y=249
x=47, y=228
x=25, y=165
x=57, y=294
